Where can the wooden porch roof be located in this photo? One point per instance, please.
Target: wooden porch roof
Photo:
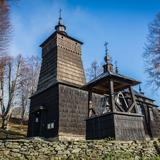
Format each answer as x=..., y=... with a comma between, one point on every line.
x=100, y=84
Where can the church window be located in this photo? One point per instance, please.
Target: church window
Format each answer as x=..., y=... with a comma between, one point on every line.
x=37, y=120
x=50, y=125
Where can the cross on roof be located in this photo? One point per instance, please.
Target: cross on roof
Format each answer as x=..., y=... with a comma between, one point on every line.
x=106, y=46
x=60, y=12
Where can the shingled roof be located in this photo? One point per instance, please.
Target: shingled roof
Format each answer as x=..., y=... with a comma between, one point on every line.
x=101, y=80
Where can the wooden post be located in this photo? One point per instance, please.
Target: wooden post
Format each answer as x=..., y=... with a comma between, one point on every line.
x=111, y=95
x=40, y=123
x=149, y=121
x=133, y=100
x=89, y=99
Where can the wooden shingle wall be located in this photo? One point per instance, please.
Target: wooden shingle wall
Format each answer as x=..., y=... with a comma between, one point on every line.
x=50, y=114
x=73, y=110
x=155, y=122
x=128, y=127
x=48, y=71
x=69, y=62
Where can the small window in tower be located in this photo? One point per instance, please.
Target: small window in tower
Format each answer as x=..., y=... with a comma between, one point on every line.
x=48, y=126
x=52, y=125
x=37, y=120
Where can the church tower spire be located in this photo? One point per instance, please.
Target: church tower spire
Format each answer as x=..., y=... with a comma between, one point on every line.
x=116, y=67
x=108, y=67
x=62, y=54
x=60, y=27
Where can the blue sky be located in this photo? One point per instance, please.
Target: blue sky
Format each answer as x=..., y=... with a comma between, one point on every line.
x=122, y=23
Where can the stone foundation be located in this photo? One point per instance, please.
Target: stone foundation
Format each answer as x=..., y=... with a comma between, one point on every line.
x=70, y=137
x=38, y=149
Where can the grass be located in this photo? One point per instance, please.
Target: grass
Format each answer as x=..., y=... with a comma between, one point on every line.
x=14, y=131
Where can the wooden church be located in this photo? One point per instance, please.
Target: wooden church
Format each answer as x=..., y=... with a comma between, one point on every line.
x=66, y=107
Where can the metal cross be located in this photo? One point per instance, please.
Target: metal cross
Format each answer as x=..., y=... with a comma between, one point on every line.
x=60, y=12
x=106, y=46
x=116, y=63
x=140, y=90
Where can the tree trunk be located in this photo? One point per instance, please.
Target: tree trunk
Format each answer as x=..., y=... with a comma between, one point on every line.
x=5, y=121
x=22, y=119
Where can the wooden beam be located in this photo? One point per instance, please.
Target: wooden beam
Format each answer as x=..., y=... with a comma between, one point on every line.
x=131, y=107
x=89, y=99
x=126, y=80
x=120, y=86
x=111, y=95
x=120, y=108
x=149, y=121
x=134, y=104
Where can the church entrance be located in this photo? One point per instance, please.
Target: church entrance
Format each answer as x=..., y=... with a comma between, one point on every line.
x=39, y=121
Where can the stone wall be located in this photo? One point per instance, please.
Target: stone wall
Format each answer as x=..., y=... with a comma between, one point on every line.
x=31, y=149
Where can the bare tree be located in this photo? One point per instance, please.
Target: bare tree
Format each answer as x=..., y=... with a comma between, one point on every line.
x=28, y=84
x=152, y=53
x=94, y=70
x=5, y=27
x=9, y=80
x=18, y=81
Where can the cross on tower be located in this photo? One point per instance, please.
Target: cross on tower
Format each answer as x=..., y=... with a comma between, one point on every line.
x=60, y=26
x=60, y=12
x=106, y=47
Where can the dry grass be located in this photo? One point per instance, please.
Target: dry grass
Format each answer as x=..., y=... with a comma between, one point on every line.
x=22, y=129
x=14, y=131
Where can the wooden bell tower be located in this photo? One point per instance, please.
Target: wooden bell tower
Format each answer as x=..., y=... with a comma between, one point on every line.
x=54, y=108
x=122, y=120
x=61, y=59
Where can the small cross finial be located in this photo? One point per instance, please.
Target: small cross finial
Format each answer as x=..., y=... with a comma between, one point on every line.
x=116, y=67
x=106, y=46
x=108, y=66
x=140, y=90
x=60, y=26
x=107, y=57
